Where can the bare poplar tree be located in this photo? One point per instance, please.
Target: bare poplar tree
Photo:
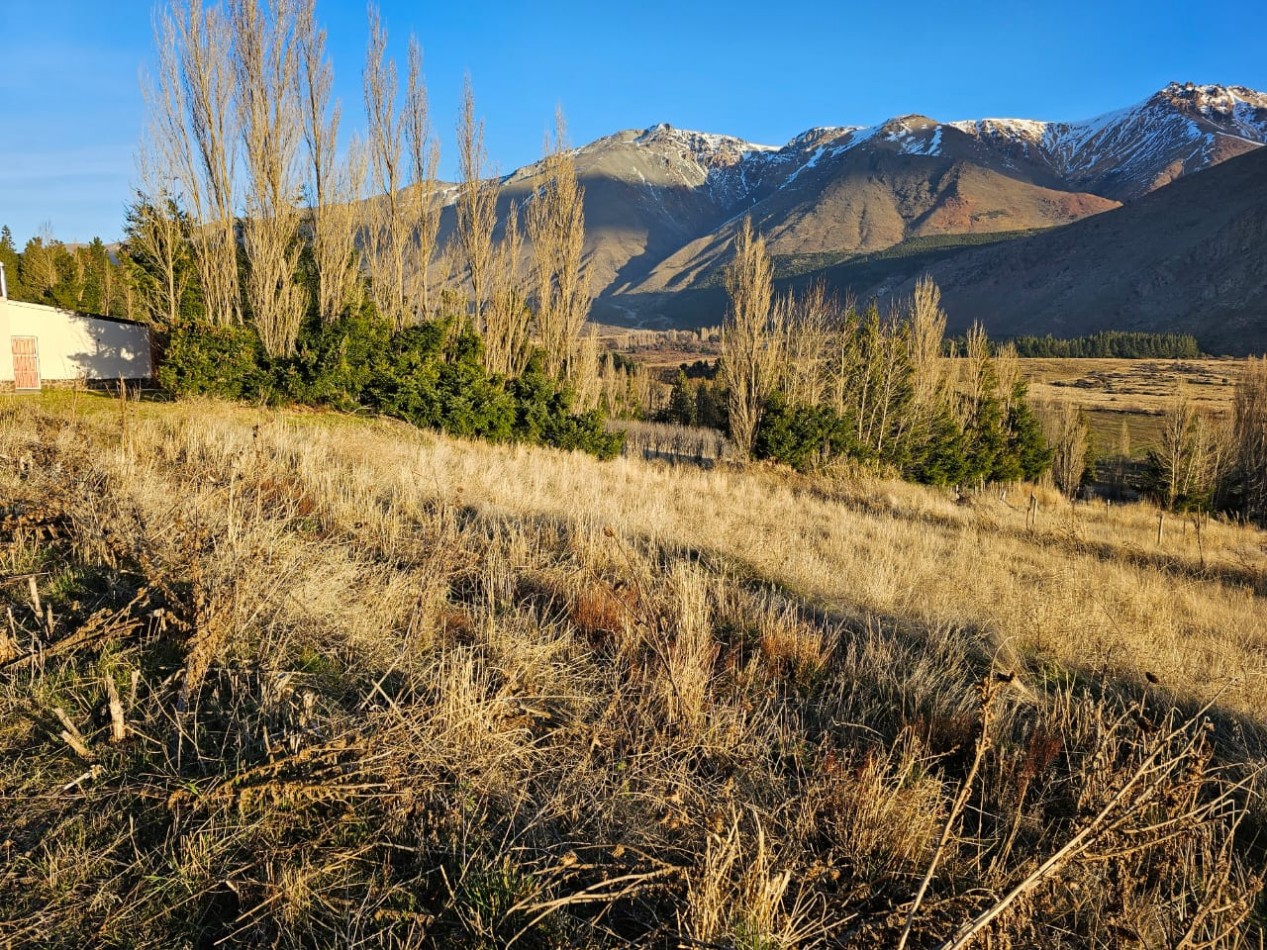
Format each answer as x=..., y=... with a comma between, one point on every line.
x=1007, y=372
x=345, y=215
x=1065, y=428
x=194, y=134
x=1170, y=460
x=333, y=186
x=268, y=106
x=556, y=230
x=387, y=224
x=924, y=345
x=158, y=233
x=1188, y=460
x=1122, y=467
x=584, y=378
x=1249, y=438
x=750, y=352
x=446, y=276
x=919, y=330
x=843, y=356
x=976, y=367
x=476, y=204
x=423, y=206
x=808, y=318
x=625, y=389
x=507, y=318
x=887, y=373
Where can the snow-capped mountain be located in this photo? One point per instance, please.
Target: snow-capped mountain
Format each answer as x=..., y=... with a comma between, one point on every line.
x=661, y=203
x=1118, y=155
x=1130, y=152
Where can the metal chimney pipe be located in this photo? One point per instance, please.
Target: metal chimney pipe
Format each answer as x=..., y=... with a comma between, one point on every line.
x=4, y=285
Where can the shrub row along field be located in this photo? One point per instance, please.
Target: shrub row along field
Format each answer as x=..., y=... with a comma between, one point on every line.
x=432, y=374
x=289, y=679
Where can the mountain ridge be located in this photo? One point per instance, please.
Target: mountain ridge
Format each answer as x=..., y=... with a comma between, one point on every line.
x=662, y=203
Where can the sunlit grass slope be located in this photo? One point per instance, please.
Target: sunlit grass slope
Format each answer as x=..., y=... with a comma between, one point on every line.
x=296, y=679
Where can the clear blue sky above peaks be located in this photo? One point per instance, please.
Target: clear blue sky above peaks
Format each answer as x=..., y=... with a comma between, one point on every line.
x=71, y=110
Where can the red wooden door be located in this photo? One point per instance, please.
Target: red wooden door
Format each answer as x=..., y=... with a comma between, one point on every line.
x=26, y=362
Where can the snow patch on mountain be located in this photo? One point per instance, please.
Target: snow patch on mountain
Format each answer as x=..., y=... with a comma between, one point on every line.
x=707, y=147
x=1182, y=122
x=917, y=141
x=811, y=162
x=858, y=137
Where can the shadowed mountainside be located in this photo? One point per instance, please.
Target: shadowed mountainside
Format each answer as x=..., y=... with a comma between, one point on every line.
x=1190, y=257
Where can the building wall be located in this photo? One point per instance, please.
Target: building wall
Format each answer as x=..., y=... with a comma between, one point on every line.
x=6, y=350
x=73, y=346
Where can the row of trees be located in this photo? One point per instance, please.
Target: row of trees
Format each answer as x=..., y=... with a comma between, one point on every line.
x=1203, y=463
x=85, y=277
x=282, y=262
x=809, y=379
x=254, y=210
x=1111, y=344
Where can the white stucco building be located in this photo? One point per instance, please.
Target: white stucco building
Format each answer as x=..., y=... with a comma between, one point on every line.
x=42, y=345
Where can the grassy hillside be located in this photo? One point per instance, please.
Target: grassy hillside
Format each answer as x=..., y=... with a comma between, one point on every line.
x=860, y=271
x=295, y=679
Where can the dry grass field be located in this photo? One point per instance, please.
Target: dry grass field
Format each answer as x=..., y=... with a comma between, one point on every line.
x=1137, y=392
x=295, y=679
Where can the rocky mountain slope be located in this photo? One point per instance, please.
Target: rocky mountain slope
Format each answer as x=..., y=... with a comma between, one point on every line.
x=649, y=193
x=848, y=191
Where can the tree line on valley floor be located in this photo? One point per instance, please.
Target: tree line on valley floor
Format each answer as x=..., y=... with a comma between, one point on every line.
x=807, y=381
x=1110, y=344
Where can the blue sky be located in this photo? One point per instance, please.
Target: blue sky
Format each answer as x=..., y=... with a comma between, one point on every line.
x=71, y=109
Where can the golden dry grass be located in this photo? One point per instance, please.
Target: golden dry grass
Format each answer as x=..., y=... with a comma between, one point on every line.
x=1134, y=393
x=384, y=688
x=1135, y=385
